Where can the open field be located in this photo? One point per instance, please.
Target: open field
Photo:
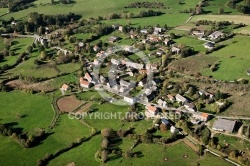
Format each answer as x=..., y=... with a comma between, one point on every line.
x=65, y=132
x=88, y=9
x=69, y=103
x=25, y=111
x=233, y=59
x=244, y=30
x=231, y=18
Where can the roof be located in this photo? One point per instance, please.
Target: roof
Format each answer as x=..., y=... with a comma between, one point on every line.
x=124, y=83
x=165, y=121
x=87, y=76
x=170, y=96
x=205, y=115
x=84, y=82
x=151, y=108
x=190, y=105
x=65, y=86
x=216, y=34
x=224, y=124
x=181, y=98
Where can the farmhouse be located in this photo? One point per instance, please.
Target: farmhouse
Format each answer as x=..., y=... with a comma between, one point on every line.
x=64, y=87
x=203, y=92
x=201, y=116
x=224, y=125
x=126, y=84
x=134, y=65
x=198, y=33
x=180, y=98
x=171, y=98
x=168, y=42
x=209, y=45
x=175, y=50
x=145, y=31
x=152, y=110
x=115, y=62
x=84, y=83
x=215, y=35
x=130, y=100
x=88, y=77
x=174, y=130
x=189, y=106
x=113, y=39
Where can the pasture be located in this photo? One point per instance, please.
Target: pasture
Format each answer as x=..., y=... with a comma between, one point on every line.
x=231, y=18
x=65, y=132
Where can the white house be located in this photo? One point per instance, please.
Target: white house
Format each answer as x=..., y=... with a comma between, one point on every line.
x=180, y=98
x=130, y=100
x=215, y=35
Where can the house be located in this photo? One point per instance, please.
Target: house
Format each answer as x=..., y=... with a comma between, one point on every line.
x=152, y=110
x=248, y=72
x=175, y=50
x=115, y=26
x=128, y=48
x=96, y=48
x=153, y=67
x=147, y=97
x=153, y=38
x=174, y=130
x=142, y=71
x=165, y=122
x=145, y=31
x=143, y=82
x=120, y=28
x=130, y=100
x=168, y=42
x=126, y=84
x=209, y=45
x=84, y=83
x=216, y=35
x=100, y=54
x=171, y=98
x=113, y=39
x=88, y=77
x=64, y=87
x=159, y=52
x=96, y=62
x=103, y=80
x=224, y=125
x=134, y=65
x=80, y=44
x=198, y=33
x=203, y=92
x=189, y=106
x=180, y=98
x=162, y=103
x=201, y=116
x=115, y=62
x=157, y=30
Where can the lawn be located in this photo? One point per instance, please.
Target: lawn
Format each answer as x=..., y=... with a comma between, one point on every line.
x=209, y=158
x=234, y=59
x=65, y=132
x=193, y=42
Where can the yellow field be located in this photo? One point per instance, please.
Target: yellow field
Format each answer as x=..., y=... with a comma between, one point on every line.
x=232, y=18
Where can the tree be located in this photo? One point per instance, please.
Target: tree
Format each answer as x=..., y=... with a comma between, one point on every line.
x=30, y=49
x=43, y=55
x=106, y=132
x=104, y=156
x=164, y=60
x=221, y=11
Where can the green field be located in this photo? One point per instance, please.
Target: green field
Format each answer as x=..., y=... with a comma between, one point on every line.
x=193, y=42
x=64, y=133
x=244, y=30
x=233, y=58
